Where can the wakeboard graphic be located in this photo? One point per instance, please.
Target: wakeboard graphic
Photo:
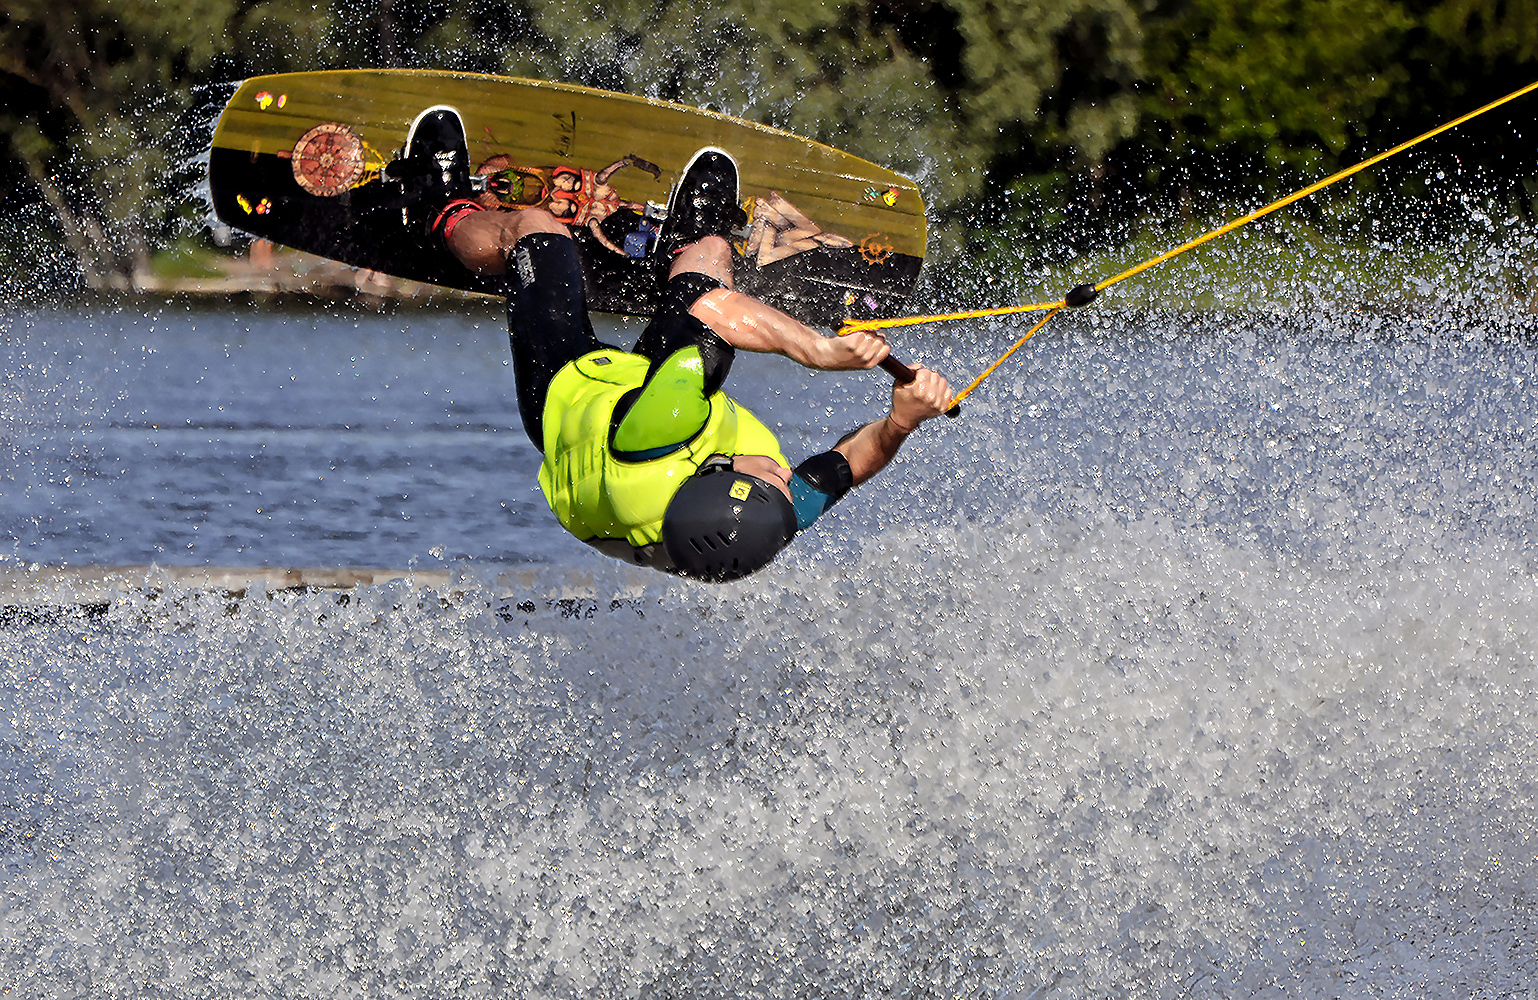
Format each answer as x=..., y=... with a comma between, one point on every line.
x=302, y=159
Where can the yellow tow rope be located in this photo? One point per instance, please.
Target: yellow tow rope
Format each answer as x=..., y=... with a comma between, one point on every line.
x=1084, y=294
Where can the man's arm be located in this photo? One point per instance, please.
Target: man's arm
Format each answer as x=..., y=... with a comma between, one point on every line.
x=870, y=448
x=751, y=325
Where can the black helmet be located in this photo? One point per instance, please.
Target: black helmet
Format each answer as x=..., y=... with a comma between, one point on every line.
x=722, y=524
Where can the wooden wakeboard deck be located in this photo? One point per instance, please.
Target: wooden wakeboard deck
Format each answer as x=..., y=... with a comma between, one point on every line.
x=297, y=158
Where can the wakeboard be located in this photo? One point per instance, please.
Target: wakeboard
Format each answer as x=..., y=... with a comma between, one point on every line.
x=301, y=159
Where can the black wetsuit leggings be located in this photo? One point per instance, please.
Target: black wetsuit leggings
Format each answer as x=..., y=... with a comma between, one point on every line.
x=548, y=325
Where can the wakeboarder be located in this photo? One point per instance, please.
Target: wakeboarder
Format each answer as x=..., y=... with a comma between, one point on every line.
x=644, y=456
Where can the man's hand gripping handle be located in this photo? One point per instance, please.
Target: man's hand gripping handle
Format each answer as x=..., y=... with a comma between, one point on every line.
x=902, y=375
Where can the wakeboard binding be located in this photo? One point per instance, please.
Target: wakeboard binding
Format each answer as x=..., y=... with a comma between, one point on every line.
x=705, y=203
x=434, y=172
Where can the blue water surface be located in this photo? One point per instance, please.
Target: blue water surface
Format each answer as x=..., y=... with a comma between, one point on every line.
x=266, y=437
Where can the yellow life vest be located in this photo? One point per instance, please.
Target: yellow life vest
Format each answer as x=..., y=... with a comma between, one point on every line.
x=598, y=496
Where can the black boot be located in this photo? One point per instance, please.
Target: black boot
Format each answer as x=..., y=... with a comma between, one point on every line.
x=436, y=168
x=704, y=203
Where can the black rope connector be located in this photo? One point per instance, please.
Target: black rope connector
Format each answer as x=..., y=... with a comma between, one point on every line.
x=1081, y=295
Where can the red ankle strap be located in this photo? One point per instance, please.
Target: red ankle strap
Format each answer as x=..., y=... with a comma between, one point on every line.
x=444, y=222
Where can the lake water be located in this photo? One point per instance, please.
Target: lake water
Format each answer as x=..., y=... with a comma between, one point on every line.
x=1197, y=659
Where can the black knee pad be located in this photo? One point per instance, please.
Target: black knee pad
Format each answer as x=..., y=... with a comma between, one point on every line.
x=673, y=328
x=683, y=290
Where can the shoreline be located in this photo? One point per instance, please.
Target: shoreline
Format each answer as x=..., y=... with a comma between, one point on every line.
x=269, y=273
x=39, y=588
x=39, y=585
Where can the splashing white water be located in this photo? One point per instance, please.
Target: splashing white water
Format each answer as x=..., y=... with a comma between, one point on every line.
x=1196, y=660
x=1077, y=759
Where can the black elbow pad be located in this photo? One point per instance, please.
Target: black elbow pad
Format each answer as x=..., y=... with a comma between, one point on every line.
x=827, y=473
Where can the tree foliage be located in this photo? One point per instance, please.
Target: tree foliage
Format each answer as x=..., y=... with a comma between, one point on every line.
x=1289, y=79
x=1066, y=66
x=1490, y=29
x=86, y=75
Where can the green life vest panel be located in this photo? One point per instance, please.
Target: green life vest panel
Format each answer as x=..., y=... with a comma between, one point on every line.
x=596, y=495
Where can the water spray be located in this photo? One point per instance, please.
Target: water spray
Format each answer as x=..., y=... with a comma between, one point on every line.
x=1083, y=295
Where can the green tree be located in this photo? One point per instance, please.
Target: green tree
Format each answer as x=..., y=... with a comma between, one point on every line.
x=1044, y=96
x=1467, y=52
x=1057, y=72
x=1292, y=81
x=89, y=75
x=830, y=71
x=1491, y=29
